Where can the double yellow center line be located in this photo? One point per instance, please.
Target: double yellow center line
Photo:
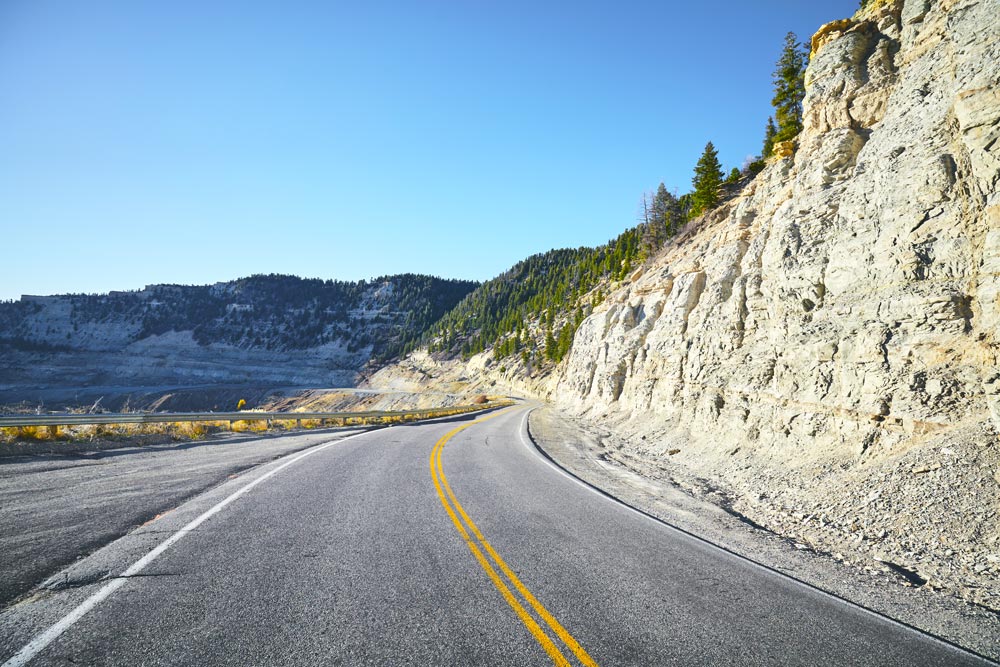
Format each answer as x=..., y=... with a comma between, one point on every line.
x=478, y=545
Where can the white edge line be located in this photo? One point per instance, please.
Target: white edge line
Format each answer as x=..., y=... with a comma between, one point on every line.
x=772, y=570
x=36, y=645
x=562, y=471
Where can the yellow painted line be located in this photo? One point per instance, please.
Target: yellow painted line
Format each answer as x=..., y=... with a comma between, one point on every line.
x=441, y=480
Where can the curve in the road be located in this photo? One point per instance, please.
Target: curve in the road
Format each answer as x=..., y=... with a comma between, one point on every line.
x=348, y=560
x=451, y=505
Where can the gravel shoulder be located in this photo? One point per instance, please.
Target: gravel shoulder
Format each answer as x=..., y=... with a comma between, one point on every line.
x=600, y=458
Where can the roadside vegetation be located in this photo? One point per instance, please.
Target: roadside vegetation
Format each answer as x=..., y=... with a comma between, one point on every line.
x=196, y=430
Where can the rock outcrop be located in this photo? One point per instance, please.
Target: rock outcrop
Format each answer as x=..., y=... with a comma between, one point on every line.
x=835, y=327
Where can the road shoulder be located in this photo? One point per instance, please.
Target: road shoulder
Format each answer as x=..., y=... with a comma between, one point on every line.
x=697, y=509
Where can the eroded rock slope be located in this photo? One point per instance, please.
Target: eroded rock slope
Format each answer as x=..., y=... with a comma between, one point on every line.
x=825, y=345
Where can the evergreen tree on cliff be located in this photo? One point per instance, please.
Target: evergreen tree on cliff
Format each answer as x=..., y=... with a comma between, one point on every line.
x=665, y=214
x=789, y=90
x=706, y=181
x=769, y=133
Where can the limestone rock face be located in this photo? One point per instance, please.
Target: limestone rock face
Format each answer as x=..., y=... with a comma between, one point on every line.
x=845, y=308
x=849, y=297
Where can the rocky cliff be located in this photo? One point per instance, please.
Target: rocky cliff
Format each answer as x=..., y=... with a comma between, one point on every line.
x=850, y=295
x=826, y=343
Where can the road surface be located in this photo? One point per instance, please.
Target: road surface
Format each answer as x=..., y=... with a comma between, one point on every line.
x=445, y=543
x=53, y=508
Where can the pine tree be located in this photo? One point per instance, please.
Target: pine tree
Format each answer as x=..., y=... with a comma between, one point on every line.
x=789, y=89
x=550, y=344
x=675, y=215
x=684, y=202
x=734, y=176
x=564, y=343
x=769, y=132
x=706, y=181
x=665, y=214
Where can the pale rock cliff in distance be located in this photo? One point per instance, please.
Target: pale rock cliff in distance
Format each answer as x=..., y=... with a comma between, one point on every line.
x=269, y=330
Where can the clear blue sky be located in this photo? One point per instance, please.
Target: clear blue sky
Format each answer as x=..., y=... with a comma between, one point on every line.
x=190, y=142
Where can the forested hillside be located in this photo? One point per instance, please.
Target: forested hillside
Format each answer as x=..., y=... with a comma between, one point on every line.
x=533, y=309
x=270, y=312
x=270, y=329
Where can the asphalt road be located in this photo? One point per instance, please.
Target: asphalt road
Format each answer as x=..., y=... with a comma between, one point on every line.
x=55, y=508
x=447, y=543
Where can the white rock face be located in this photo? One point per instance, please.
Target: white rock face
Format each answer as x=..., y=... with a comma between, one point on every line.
x=849, y=298
x=835, y=329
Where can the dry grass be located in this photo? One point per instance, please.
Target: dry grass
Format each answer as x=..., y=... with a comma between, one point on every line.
x=248, y=426
x=198, y=430
x=175, y=430
x=20, y=433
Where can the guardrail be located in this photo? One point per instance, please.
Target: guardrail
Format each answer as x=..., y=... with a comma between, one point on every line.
x=231, y=417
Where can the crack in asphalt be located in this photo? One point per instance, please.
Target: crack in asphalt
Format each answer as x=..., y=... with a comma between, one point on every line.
x=83, y=582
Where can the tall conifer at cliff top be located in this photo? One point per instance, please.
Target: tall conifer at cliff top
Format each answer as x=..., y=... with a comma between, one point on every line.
x=789, y=90
x=706, y=181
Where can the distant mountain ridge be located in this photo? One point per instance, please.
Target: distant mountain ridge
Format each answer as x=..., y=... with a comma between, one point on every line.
x=264, y=328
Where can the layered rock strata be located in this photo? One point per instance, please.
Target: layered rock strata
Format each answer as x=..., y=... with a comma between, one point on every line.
x=835, y=326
